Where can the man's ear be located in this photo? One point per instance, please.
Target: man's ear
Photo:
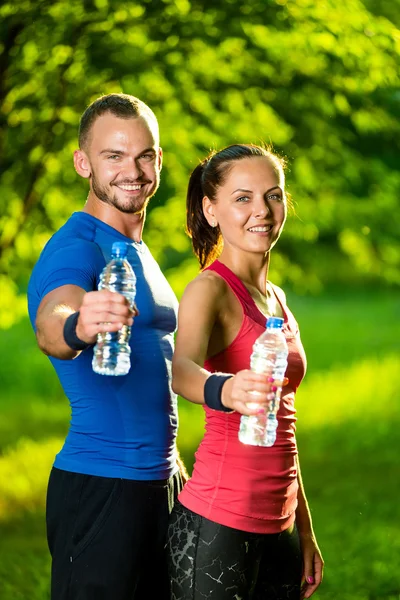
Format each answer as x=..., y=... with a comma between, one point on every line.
x=208, y=210
x=160, y=159
x=82, y=164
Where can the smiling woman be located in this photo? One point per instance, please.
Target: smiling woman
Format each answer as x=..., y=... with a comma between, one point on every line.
x=242, y=527
x=249, y=208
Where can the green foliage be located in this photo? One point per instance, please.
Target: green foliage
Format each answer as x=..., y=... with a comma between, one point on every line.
x=347, y=433
x=317, y=79
x=21, y=488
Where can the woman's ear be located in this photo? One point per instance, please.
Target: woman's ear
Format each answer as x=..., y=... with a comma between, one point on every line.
x=208, y=211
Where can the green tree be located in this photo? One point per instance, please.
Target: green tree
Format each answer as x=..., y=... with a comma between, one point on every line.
x=318, y=80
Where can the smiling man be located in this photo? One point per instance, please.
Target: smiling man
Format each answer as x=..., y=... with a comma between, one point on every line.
x=113, y=484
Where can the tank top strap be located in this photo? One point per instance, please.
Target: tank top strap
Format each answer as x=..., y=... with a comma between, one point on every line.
x=290, y=325
x=239, y=289
x=280, y=296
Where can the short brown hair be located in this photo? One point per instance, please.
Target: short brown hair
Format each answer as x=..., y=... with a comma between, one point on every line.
x=123, y=106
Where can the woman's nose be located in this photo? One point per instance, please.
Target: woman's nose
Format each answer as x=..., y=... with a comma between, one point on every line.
x=262, y=209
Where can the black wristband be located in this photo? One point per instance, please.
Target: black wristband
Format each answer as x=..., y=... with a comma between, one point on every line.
x=70, y=337
x=213, y=392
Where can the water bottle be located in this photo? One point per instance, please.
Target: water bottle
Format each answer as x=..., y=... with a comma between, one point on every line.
x=111, y=354
x=269, y=356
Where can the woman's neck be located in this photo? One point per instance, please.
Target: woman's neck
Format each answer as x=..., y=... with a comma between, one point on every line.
x=251, y=268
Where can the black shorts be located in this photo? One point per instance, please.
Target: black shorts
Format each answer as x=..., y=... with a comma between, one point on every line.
x=107, y=536
x=208, y=560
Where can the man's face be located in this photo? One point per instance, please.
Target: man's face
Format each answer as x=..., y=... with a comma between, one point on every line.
x=125, y=161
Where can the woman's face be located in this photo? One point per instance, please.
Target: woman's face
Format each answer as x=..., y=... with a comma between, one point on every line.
x=250, y=207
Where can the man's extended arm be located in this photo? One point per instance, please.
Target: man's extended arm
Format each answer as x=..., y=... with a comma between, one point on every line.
x=99, y=311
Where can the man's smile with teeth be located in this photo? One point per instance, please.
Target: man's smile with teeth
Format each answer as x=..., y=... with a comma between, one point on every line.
x=130, y=188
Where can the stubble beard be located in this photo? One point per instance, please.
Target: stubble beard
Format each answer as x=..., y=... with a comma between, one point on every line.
x=132, y=206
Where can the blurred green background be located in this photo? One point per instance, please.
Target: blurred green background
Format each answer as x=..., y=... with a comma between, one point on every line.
x=321, y=82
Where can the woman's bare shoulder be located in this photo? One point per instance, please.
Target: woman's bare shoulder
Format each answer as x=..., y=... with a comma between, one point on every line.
x=207, y=282
x=202, y=300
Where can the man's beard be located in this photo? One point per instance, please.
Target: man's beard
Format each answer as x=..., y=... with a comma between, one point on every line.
x=132, y=206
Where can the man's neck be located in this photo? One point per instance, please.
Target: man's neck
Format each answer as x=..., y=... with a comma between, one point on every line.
x=130, y=225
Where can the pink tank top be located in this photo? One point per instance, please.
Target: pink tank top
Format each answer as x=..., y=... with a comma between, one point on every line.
x=250, y=488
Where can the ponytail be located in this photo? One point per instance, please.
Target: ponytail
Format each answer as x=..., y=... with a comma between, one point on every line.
x=205, y=180
x=206, y=240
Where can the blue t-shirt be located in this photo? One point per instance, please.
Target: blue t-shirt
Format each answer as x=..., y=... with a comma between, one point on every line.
x=121, y=426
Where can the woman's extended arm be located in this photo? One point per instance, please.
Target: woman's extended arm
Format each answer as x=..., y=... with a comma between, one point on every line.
x=199, y=311
x=313, y=563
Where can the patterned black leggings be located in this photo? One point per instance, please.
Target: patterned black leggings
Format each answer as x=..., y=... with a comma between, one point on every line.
x=211, y=561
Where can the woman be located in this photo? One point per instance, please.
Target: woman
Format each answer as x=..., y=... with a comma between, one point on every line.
x=242, y=527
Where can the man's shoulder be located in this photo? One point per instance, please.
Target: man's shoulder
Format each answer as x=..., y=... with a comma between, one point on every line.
x=78, y=228
x=72, y=248
x=77, y=235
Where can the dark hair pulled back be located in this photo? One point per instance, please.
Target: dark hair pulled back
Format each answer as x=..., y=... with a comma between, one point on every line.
x=205, y=180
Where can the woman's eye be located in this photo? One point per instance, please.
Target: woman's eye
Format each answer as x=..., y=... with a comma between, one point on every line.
x=242, y=199
x=274, y=197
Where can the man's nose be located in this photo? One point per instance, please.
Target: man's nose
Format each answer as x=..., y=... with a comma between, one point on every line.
x=133, y=169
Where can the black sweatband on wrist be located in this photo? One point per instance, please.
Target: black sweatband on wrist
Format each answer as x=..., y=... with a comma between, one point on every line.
x=69, y=331
x=213, y=392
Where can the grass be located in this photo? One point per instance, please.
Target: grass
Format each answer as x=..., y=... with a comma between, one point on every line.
x=347, y=433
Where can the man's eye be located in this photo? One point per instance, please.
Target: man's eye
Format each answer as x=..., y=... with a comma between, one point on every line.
x=113, y=156
x=147, y=156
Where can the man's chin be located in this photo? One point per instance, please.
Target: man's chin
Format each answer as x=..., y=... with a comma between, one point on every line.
x=132, y=207
x=123, y=202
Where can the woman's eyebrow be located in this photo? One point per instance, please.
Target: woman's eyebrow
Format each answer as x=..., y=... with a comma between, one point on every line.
x=276, y=187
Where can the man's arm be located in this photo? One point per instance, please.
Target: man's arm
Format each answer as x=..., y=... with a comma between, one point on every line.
x=99, y=312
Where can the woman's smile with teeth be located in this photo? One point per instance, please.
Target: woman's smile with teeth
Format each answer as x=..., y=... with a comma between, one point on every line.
x=260, y=228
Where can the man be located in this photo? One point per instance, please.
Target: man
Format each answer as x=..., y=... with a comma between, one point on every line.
x=113, y=483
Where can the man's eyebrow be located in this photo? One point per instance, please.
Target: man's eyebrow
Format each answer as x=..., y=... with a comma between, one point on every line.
x=111, y=151
x=121, y=152
x=148, y=151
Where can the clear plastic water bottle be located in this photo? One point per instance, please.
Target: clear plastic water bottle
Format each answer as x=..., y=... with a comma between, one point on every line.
x=111, y=354
x=269, y=356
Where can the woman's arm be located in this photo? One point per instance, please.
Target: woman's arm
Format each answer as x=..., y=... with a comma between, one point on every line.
x=313, y=563
x=199, y=312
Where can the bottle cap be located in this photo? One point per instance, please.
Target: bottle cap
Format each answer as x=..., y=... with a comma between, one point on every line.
x=274, y=323
x=119, y=249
